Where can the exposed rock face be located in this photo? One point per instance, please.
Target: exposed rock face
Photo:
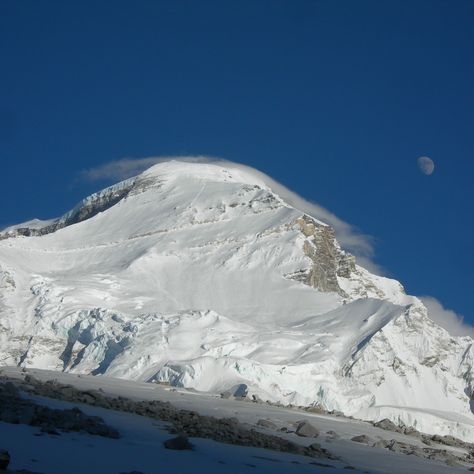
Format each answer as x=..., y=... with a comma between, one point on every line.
x=86, y=209
x=328, y=260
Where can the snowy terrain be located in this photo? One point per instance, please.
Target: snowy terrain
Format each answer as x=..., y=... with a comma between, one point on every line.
x=201, y=276
x=140, y=446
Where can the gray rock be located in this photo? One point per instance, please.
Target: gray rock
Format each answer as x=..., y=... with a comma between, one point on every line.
x=328, y=261
x=179, y=443
x=451, y=441
x=307, y=430
x=14, y=409
x=362, y=439
x=428, y=453
x=398, y=447
x=227, y=430
x=405, y=448
x=426, y=440
x=388, y=425
x=256, y=399
x=332, y=434
x=442, y=455
x=267, y=424
x=85, y=210
x=410, y=431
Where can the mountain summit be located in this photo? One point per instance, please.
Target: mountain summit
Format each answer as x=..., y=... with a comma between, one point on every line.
x=202, y=276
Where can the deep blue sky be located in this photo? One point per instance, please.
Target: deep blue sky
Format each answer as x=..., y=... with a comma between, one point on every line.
x=335, y=99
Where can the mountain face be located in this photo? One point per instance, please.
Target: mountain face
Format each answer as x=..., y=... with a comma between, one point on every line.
x=201, y=276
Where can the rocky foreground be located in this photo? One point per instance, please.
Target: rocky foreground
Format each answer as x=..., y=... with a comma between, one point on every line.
x=20, y=404
x=17, y=408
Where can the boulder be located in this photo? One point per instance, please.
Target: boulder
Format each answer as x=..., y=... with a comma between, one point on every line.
x=307, y=430
x=332, y=434
x=410, y=431
x=404, y=448
x=362, y=439
x=388, y=425
x=179, y=443
x=267, y=424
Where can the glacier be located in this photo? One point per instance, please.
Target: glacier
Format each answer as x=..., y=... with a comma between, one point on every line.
x=200, y=275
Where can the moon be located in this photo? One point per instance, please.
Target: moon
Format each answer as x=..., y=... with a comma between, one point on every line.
x=426, y=165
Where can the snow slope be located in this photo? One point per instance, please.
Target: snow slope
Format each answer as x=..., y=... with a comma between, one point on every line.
x=201, y=275
x=140, y=445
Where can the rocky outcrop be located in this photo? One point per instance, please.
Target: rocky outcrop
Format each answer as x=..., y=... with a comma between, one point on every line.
x=306, y=430
x=17, y=410
x=87, y=208
x=388, y=425
x=190, y=423
x=364, y=439
x=328, y=260
x=179, y=443
x=84, y=210
x=442, y=455
x=267, y=424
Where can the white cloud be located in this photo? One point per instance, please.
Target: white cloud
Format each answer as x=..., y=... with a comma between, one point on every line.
x=120, y=169
x=447, y=318
x=350, y=239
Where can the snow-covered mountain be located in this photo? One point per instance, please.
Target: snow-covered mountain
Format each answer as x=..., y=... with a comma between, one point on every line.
x=202, y=276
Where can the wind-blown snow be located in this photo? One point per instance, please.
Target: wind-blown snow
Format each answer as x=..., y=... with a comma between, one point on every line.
x=204, y=277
